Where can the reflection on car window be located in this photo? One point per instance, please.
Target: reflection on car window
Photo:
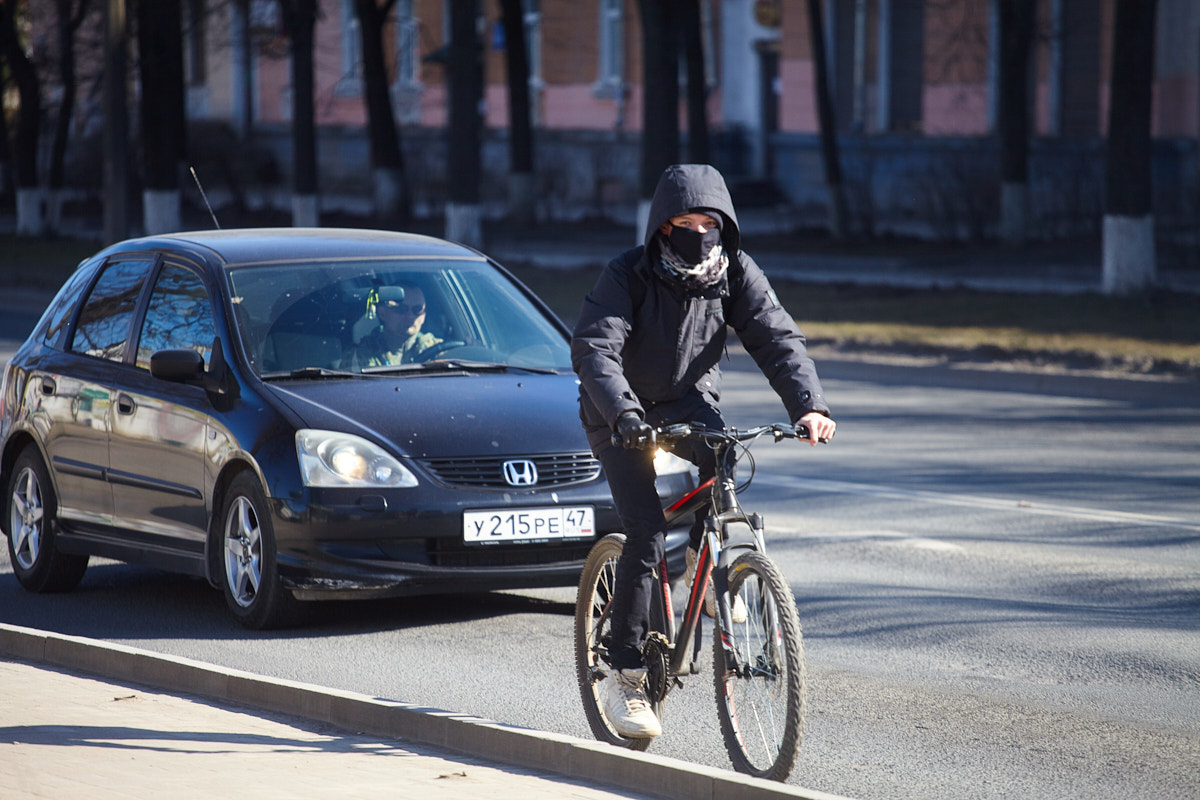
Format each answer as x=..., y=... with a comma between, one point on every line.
x=329, y=315
x=58, y=314
x=179, y=317
x=106, y=318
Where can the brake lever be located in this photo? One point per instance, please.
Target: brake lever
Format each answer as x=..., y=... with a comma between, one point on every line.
x=803, y=433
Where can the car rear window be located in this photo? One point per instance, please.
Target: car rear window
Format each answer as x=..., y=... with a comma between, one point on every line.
x=52, y=327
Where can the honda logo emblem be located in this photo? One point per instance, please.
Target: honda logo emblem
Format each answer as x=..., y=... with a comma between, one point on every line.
x=520, y=473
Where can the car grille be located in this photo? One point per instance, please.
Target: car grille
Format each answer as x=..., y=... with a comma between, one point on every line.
x=445, y=553
x=554, y=469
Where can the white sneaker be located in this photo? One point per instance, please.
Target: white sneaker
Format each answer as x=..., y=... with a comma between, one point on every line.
x=710, y=597
x=626, y=705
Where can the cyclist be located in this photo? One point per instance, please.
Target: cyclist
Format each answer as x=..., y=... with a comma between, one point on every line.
x=646, y=349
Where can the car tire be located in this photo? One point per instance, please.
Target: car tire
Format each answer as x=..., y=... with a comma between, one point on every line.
x=253, y=590
x=33, y=527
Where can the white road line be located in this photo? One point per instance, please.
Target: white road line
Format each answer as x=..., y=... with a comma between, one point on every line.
x=972, y=501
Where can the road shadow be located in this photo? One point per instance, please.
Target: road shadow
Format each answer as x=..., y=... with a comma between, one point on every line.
x=117, y=601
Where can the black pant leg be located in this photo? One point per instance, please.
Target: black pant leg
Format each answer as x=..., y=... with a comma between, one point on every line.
x=631, y=479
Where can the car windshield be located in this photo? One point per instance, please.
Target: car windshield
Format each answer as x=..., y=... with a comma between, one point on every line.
x=399, y=316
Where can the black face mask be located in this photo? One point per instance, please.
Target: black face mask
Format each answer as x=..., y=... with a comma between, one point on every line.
x=693, y=246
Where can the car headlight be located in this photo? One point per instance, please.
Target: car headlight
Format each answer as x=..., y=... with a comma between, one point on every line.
x=667, y=463
x=329, y=458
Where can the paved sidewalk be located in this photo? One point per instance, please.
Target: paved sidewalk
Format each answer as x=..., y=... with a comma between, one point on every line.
x=84, y=718
x=63, y=735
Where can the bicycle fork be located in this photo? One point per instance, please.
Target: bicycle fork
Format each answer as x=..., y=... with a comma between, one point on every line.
x=712, y=547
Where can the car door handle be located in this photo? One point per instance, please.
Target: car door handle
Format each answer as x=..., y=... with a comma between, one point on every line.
x=48, y=385
x=124, y=404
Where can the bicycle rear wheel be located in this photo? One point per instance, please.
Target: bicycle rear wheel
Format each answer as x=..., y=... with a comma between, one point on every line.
x=593, y=626
x=761, y=694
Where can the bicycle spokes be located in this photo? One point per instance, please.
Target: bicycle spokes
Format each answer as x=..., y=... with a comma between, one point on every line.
x=760, y=694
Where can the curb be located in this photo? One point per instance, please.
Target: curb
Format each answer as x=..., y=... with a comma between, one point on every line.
x=580, y=759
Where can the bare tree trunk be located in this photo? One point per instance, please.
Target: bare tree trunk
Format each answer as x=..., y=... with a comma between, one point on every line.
x=464, y=216
x=1129, y=260
x=516, y=58
x=387, y=158
x=69, y=17
x=30, y=216
x=301, y=19
x=116, y=124
x=660, y=98
x=827, y=123
x=163, y=129
x=1016, y=34
x=697, y=83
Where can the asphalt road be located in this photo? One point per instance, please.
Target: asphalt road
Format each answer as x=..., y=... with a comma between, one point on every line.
x=999, y=579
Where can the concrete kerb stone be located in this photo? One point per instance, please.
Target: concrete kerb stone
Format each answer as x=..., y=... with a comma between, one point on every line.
x=642, y=773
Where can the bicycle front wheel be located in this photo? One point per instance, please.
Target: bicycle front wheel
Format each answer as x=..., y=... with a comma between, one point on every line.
x=593, y=636
x=759, y=672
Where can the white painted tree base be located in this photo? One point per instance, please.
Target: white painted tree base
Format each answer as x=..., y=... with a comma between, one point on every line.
x=643, y=219
x=521, y=199
x=1129, y=259
x=31, y=211
x=386, y=184
x=160, y=211
x=306, y=211
x=1013, y=211
x=464, y=224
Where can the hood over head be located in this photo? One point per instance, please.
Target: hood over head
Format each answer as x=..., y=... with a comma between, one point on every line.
x=684, y=188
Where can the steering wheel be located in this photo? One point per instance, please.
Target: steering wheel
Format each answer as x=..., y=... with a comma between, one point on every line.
x=436, y=350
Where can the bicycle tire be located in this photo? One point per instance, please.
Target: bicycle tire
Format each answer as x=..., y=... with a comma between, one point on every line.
x=762, y=708
x=592, y=628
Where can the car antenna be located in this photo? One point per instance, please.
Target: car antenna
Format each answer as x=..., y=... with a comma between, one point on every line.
x=208, y=205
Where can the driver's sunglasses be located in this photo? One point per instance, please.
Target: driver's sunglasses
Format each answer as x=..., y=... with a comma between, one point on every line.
x=416, y=310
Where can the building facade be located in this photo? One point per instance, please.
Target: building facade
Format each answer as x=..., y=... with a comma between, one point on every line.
x=913, y=85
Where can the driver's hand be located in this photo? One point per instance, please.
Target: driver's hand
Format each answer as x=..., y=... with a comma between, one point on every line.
x=364, y=327
x=820, y=427
x=635, y=434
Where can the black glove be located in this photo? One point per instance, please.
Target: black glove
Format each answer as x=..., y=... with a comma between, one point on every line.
x=635, y=434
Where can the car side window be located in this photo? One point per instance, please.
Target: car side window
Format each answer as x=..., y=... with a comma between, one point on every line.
x=58, y=315
x=107, y=315
x=179, y=316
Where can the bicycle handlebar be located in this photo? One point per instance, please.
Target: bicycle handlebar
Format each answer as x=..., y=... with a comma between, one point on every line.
x=684, y=430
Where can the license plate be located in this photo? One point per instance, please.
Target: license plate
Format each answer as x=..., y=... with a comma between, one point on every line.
x=506, y=525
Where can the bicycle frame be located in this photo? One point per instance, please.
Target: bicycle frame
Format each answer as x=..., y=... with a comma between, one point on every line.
x=721, y=495
x=758, y=670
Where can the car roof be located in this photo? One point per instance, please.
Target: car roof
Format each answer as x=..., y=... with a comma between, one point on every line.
x=240, y=246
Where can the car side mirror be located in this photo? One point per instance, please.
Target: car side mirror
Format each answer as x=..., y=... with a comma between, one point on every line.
x=177, y=366
x=187, y=366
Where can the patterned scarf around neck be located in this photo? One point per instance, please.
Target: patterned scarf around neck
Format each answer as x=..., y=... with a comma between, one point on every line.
x=691, y=276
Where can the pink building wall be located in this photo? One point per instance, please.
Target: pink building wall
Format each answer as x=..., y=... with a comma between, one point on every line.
x=949, y=109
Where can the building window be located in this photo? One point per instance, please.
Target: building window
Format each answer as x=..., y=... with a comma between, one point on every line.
x=195, y=42
x=350, y=83
x=408, y=46
x=611, y=69
x=533, y=42
x=709, y=44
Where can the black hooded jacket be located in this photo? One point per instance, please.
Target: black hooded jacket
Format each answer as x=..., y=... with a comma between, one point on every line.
x=641, y=341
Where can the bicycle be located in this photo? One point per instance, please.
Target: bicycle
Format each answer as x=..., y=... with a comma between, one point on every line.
x=761, y=688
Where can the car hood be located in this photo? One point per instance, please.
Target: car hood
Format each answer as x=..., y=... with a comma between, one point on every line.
x=446, y=415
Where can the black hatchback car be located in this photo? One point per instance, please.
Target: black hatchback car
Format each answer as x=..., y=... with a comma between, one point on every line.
x=298, y=415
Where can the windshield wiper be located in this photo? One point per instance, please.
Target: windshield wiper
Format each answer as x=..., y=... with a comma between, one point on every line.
x=311, y=372
x=452, y=365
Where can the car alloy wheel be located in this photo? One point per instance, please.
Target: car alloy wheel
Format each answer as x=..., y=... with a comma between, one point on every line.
x=252, y=588
x=243, y=552
x=32, y=548
x=25, y=519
